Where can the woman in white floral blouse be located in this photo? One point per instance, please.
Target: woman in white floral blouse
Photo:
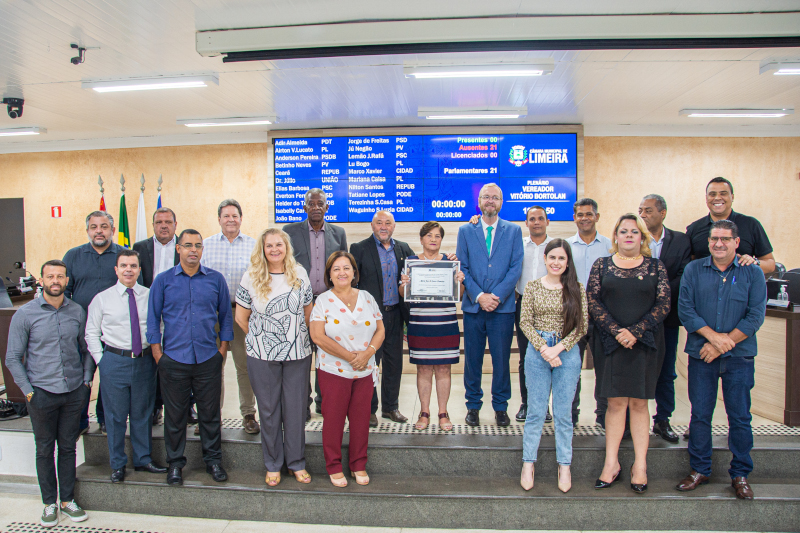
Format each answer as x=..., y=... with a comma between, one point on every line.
x=347, y=327
x=273, y=306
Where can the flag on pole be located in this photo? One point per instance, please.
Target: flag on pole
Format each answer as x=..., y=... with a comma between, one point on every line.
x=102, y=202
x=123, y=230
x=141, y=220
x=158, y=203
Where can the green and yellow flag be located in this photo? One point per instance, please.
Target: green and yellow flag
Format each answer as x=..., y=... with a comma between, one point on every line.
x=123, y=230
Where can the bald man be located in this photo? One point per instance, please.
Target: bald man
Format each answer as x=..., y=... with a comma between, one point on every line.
x=380, y=259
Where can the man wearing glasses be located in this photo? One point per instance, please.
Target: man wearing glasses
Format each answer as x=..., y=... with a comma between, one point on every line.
x=192, y=301
x=722, y=304
x=491, y=257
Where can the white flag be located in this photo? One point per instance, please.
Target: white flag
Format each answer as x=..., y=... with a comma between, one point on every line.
x=141, y=220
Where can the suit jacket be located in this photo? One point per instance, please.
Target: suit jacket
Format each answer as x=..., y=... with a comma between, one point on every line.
x=676, y=252
x=497, y=274
x=335, y=239
x=370, y=273
x=147, y=258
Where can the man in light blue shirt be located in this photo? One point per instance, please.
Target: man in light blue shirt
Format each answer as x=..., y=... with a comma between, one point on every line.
x=587, y=247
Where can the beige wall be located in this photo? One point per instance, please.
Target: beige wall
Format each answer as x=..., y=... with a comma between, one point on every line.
x=618, y=172
x=765, y=173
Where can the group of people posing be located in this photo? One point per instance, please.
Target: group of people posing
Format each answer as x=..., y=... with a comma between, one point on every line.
x=159, y=320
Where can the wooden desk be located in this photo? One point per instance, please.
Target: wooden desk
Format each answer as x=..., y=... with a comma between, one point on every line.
x=13, y=393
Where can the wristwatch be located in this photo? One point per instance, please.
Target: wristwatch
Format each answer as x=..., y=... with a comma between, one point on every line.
x=757, y=260
x=29, y=396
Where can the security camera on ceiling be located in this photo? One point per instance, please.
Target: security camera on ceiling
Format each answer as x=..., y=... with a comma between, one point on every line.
x=14, y=106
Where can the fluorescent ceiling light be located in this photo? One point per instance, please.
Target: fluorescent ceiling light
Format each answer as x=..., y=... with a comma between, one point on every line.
x=31, y=130
x=471, y=113
x=149, y=84
x=736, y=113
x=480, y=71
x=229, y=121
x=781, y=69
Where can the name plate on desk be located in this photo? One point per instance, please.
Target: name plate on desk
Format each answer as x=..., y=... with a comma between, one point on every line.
x=780, y=304
x=432, y=281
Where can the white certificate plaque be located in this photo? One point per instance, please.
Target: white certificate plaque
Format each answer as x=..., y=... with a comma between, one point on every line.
x=432, y=281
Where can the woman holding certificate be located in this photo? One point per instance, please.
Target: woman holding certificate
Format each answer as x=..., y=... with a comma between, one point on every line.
x=433, y=335
x=554, y=318
x=347, y=327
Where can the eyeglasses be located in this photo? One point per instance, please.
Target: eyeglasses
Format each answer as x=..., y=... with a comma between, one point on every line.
x=495, y=198
x=189, y=246
x=715, y=240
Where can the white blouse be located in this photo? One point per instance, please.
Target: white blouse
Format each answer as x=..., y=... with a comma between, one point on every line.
x=353, y=330
x=277, y=328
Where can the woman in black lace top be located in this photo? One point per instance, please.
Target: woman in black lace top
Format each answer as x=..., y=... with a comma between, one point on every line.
x=629, y=297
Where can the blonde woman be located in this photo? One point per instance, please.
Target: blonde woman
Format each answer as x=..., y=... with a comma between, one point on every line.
x=273, y=306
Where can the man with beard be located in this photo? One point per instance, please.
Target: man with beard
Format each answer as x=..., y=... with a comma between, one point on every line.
x=313, y=241
x=380, y=260
x=91, y=268
x=491, y=258
x=56, y=378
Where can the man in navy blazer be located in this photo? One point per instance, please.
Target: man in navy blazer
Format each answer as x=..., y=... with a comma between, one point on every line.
x=491, y=257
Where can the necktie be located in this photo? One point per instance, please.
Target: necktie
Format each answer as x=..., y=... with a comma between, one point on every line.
x=136, y=334
x=489, y=240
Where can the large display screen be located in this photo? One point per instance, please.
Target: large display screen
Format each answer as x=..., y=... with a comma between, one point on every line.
x=426, y=177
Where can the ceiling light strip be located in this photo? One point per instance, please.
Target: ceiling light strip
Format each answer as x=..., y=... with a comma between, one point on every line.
x=227, y=121
x=30, y=130
x=736, y=113
x=149, y=84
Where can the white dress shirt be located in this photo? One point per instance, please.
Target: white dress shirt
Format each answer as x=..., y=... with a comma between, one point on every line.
x=163, y=256
x=484, y=225
x=108, y=319
x=533, y=266
x=656, y=245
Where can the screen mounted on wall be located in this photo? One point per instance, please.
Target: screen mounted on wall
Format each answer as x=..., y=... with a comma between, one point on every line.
x=426, y=177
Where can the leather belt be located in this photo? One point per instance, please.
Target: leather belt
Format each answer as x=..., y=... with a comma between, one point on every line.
x=128, y=353
x=390, y=307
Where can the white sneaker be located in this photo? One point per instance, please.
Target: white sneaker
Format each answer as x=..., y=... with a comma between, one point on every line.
x=74, y=512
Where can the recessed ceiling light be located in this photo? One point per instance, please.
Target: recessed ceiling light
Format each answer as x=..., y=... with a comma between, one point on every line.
x=229, y=121
x=736, y=113
x=149, y=84
x=781, y=68
x=31, y=130
x=474, y=113
x=541, y=68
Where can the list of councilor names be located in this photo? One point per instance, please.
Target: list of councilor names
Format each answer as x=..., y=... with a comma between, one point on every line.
x=420, y=177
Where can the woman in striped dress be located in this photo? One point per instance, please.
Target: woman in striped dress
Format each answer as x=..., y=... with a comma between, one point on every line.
x=433, y=336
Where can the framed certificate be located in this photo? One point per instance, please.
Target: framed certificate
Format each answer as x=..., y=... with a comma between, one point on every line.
x=432, y=281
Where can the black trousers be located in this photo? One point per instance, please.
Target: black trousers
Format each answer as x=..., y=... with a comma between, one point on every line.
x=57, y=418
x=178, y=382
x=390, y=357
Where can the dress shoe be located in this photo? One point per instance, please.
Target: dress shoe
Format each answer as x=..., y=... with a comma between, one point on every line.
x=522, y=414
x=600, y=484
x=217, y=472
x=394, y=416
x=157, y=416
x=118, y=475
x=250, y=425
x=692, y=481
x=664, y=430
x=152, y=468
x=373, y=420
x=502, y=418
x=174, y=476
x=742, y=488
x=103, y=428
x=638, y=488
x=192, y=416
x=472, y=419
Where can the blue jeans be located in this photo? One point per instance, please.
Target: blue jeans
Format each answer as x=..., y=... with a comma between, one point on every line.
x=665, y=387
x=563, y=380
x=499, y=329
x=738, y=378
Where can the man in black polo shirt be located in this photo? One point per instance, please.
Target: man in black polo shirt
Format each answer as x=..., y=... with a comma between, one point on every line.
x=754, y=246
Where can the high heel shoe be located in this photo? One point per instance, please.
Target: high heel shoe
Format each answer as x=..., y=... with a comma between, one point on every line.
x=638, y=488
x=339, y=482
x=301, y=476
x=361, y=480
x=600, y=484
x=524, y=484
x=565, y=485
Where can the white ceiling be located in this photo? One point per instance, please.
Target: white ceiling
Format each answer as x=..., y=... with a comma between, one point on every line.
x=612, y=92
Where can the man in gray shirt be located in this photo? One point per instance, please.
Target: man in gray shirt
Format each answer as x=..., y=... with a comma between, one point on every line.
x=48, y=335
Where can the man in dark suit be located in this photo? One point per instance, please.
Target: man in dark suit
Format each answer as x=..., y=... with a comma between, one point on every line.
x=380, y=260
x=313, y=241
x=157, y=255
x=491, y=256
x=674, y=249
